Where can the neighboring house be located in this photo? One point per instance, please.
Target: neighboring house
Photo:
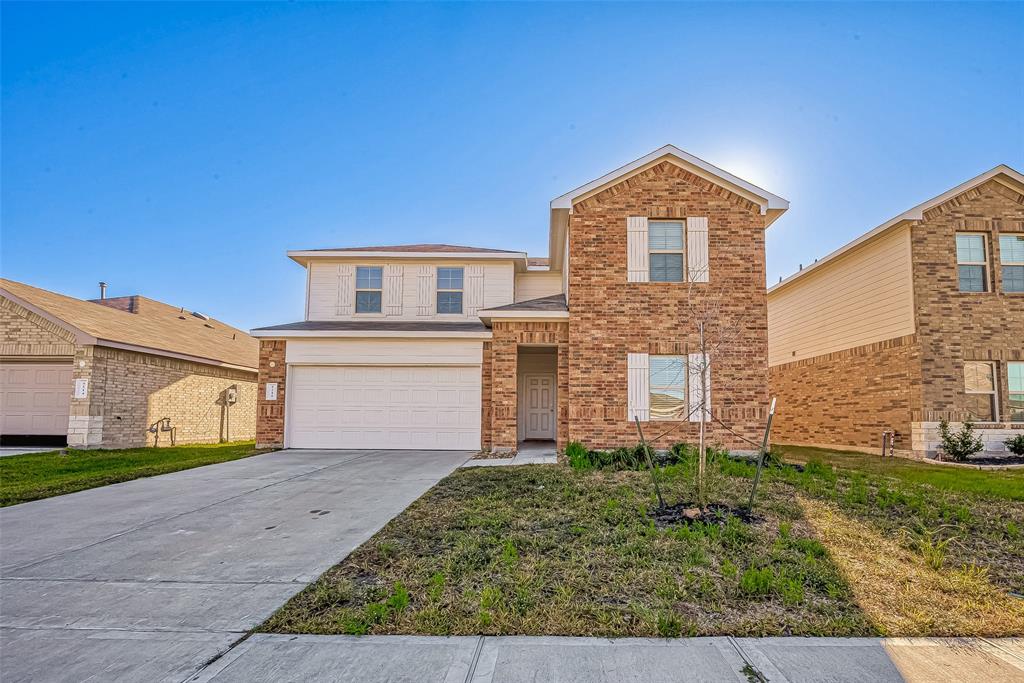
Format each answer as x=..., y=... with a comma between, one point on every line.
x=436, y=346
x=918, y=320
x=120, y=372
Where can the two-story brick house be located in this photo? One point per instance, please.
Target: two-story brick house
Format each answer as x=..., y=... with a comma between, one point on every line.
x=919, y=319
x=447, y=347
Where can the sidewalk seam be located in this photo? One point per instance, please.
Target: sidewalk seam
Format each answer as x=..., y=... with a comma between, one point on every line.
x=476, y=659
x=1002, y=649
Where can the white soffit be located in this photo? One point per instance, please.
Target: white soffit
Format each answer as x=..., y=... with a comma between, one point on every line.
x=1002, y=173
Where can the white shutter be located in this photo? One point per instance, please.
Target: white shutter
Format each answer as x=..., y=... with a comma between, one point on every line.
x=393, y=289
x=637, y=259
x=697, y=261
x=346, y=289
x=474, y=289
x=693, y=381
x=425, y=290
x=638, y=379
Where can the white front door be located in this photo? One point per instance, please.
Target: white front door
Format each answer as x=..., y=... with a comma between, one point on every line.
x=35, y=398
x=388, y=407
x=540, y=406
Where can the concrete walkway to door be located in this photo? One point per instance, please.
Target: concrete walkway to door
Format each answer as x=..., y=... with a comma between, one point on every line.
x=151, y=579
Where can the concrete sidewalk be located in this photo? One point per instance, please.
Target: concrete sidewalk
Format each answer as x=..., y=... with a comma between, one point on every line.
x=515, y=659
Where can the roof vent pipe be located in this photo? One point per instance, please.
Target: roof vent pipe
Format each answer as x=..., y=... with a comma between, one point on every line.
x=103, y=290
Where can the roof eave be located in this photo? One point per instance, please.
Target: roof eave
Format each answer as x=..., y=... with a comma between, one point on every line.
x=303, y=257
x=380, y=334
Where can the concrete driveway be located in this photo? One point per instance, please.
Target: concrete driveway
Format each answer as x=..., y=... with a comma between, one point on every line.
x=150, y=579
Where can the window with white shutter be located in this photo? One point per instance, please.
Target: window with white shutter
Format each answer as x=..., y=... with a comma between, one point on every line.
x=638, y=386
x=637, y=265
x=346, y=287
x=698, y=266
x=393, y=289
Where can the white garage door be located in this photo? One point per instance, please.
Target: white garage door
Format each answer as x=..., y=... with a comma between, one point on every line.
x=432, y=408
x=35, y=398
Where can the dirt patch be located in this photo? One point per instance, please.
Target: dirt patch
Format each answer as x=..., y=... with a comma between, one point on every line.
x=688, y=513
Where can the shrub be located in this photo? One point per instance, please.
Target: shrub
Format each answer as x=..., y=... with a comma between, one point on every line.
x=961, y=444
x=756, y=581
x=578, y=455
x=1015, y=444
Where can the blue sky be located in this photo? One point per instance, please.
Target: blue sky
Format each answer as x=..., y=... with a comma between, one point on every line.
x=178, y=150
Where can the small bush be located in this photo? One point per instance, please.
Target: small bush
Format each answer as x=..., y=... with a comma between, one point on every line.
x=961, y=444
x=1015, y=444
x=578, y=455
x=756, y=581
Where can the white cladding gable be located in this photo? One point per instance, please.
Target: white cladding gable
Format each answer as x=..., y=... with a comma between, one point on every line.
x=410, y=289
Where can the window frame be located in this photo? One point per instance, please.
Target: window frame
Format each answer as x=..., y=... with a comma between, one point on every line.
x=355, y=303
x=683, y=388
x=450, y=290
x=986, y=285
x=1003, y=262
x=681, y=251
x=1014, y=416
x=993, y=394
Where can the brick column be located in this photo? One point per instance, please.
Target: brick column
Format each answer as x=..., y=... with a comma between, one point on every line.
x=85, y=421
x=562, y=396
x=504, y=392
x=270, y=414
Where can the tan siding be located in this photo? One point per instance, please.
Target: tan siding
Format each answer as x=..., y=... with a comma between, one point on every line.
x=534, y=285
x=863, y=297
x=323, y=295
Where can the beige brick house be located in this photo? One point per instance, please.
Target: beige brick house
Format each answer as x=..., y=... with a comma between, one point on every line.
x=447, y=347
x=120, y=372
x=918, y=320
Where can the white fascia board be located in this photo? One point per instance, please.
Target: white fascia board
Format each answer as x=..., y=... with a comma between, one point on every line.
x=379, y=334
x=302, y=256
x=523, y=315
x=768, y=201
x=1003, y=173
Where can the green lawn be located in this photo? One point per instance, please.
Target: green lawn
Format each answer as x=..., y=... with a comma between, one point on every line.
x=548, y=550
x=1005, y=484
x=41, y=475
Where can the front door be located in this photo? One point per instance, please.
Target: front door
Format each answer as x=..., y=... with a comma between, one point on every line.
x=540, y=407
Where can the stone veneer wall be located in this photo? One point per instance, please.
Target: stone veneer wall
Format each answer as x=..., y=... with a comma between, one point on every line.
x=846, y=399
x=129, y=391
x=610, y=317
x=270, y=414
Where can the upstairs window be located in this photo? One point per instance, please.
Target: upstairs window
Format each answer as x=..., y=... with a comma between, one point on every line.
x=1011, y=257
x=980, y=387
x=972, y=263
x=369, y=281
x=668, y=387
x=1015, y=379
x=449, y=291
x=665, y=244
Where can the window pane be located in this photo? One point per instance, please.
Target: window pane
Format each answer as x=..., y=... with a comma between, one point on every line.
x=665, y=236
x=668, y=371
x=1013, y=278
x=666, y=267
x=972, y=278
x=970, y=248
x=368, y=277
x=449, y=302
x=1017, y=407
x=1015, y=376
x=449, y=278
x=981, y=407
x=1011, y=248
x=979, y=377
x=668, y=404
x=367, y=302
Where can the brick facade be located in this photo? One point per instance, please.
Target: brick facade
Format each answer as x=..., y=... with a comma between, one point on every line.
x=270, y=414
x=847, y=398
x=129, y=392
x=25, y=334
x=610, y=317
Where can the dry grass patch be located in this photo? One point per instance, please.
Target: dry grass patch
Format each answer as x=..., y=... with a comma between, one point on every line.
x=902, y=594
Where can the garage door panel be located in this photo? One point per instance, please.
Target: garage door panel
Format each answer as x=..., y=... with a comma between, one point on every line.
x=35, y=398
x=384, y=407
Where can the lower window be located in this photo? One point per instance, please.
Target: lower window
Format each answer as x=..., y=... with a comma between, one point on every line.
x=980, y=389
x=1015, y=380
x=668, y=387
